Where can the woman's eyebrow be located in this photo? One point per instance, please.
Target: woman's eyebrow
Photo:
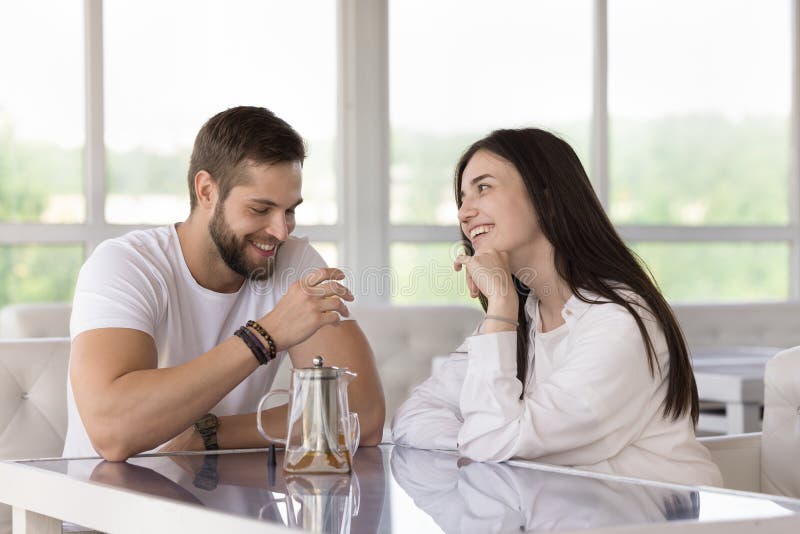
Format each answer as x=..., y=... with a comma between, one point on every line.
x=479, y=178
x=475, y=181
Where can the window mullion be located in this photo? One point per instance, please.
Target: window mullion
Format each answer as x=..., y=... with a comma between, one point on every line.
x=794, y=166
x=599, y=168
x=94, y=151
x=363, y=118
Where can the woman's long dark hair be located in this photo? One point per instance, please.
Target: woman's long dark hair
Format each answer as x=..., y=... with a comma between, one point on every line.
x=589, y=254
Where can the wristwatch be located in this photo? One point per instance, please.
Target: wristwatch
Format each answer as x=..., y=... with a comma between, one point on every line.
x=207, y=427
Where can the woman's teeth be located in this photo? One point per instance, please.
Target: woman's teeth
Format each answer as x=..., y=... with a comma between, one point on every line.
x=479, y=230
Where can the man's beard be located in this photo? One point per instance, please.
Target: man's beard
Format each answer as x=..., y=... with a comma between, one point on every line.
x=233, y=249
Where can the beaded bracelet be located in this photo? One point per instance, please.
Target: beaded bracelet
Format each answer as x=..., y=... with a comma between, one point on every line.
x=270, y=342
x=253, y=344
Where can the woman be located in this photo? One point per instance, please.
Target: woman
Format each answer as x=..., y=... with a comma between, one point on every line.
x=579, y=361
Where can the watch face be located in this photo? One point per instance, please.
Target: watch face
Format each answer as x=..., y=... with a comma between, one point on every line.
x=207, y=423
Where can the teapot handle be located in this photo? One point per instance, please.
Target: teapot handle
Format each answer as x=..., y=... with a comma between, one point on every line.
x=258, y=415
x=354, y=434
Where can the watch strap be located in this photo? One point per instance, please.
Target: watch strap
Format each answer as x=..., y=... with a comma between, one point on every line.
x=207, y=427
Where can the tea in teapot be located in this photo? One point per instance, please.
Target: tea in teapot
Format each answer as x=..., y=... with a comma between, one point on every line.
x=322, y=433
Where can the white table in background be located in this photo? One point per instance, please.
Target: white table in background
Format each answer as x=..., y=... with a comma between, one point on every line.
x=733, y=376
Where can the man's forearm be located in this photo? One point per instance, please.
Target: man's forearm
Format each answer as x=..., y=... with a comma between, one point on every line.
x=240, y=431
x=144, y=408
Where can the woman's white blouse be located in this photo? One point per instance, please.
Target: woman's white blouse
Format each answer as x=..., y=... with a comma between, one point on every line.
x=590, y=400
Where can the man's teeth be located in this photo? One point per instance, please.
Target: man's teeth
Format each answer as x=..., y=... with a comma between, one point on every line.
x=479, y=230
x=265, y=248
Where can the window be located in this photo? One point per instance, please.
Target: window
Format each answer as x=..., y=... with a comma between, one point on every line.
x=41, y=130
x=686, y=124
x=700, y=136
x=155, y=92
x=457, y=73
x=718, y=271
x=423, y=272
x=699, y=125
x=36, y=273
x=200, y=58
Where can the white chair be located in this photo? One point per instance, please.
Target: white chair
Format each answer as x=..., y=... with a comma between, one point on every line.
x=33, y=397
x=767, y=462
x=729, y=343
x=33, y=401
x=35, y=319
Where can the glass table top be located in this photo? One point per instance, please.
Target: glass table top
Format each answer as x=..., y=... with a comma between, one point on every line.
x=396, y=489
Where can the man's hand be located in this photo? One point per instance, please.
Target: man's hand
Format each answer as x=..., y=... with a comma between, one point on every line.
x=310, y=303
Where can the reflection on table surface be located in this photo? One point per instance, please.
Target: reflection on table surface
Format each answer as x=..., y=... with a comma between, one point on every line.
x=395, y=489
x=464, y=496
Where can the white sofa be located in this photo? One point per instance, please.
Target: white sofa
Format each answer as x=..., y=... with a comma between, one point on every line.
x=767, y=461
x=757, y=324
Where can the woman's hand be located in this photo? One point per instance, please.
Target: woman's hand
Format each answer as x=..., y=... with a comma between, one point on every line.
x=488, y=273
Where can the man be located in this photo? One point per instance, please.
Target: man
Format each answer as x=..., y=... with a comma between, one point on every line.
x=154, y=356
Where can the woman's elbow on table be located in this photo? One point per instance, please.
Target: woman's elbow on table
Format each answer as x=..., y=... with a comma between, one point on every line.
x=486, y=446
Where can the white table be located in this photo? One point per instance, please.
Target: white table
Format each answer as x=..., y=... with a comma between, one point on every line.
x=734, y=377
x=394, y=489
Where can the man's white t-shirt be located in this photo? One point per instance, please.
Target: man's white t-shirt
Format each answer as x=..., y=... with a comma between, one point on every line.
x=141, y=281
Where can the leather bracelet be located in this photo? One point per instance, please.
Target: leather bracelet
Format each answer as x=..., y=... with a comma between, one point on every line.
x=253, y=344
x=263, y=332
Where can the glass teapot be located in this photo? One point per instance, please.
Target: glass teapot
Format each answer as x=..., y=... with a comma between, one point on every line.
x=322, y=433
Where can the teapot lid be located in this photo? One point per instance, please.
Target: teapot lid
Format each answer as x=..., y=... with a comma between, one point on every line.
x=318, y=369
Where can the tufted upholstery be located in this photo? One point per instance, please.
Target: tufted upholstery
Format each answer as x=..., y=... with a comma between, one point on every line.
x=35, y=319
x=767, y=462
x=405, y=339
x=33, y=404
x=780, y=440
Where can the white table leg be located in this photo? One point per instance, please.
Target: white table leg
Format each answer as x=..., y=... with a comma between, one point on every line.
x=27, y=522
x=742, y=417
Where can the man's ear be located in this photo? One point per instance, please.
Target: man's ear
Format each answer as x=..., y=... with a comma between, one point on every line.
x=205, y=188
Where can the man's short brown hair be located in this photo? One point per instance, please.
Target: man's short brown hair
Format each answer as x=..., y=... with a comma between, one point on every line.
x=238, y=134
